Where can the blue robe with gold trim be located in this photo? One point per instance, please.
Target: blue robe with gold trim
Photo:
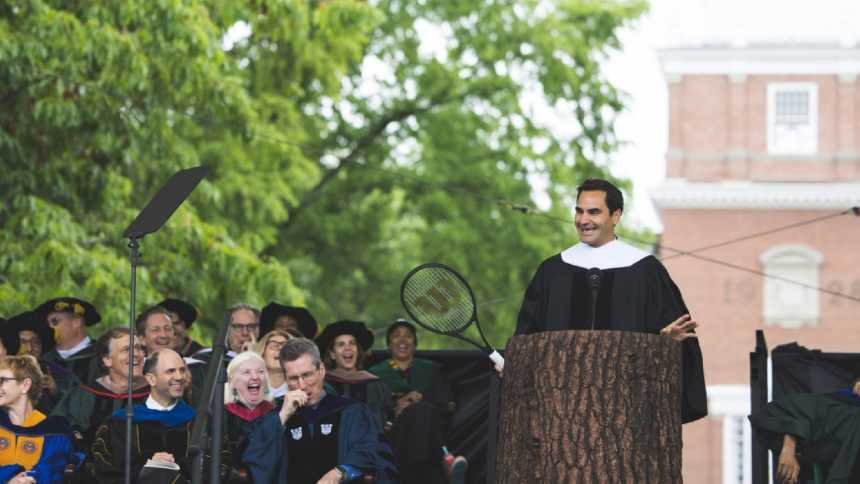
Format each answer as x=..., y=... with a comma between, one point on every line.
x=42, y=446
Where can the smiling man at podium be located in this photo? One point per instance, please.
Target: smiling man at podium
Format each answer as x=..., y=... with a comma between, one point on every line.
x=602, y=283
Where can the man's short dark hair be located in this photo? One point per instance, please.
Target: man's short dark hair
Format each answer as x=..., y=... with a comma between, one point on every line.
x=103, y=344
x=140, y=322
x=151, y=363
x=296, y=348
x=614, y=198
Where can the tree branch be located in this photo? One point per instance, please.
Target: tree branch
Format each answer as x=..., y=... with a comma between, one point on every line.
x=358, y=149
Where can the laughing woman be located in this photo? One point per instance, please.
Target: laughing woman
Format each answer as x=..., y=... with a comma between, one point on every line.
x=344, y=345
x=33, y=447
x=247, y=398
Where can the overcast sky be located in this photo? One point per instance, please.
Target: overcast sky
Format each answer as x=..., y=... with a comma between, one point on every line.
x=692, y=23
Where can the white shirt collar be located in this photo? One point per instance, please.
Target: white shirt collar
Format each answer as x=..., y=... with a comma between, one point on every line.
x=65, y=354
x=153, y=405
x=278, y=392
x=612, y=255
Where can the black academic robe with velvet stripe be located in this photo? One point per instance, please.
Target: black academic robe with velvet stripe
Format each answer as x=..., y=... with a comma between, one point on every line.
x=358, y=441
x=86, y=407
x=152, y=431
x=637, y=297
x=81, y=367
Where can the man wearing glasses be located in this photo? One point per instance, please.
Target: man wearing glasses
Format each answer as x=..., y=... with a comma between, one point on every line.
x=73, y=359
x=316, y=436
x=244, y=328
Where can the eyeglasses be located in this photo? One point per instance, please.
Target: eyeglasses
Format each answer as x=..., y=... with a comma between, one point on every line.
x=275, y=344
x=244, y=328
x=4, y=379
x=307, y=377
x=56, y=320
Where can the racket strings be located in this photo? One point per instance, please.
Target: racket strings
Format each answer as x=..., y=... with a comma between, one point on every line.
x=439, y=299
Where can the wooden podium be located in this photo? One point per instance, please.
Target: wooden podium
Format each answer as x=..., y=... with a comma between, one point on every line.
x=590, y=407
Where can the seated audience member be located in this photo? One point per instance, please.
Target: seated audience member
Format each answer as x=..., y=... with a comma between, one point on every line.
x=33, y=448
x=73, y=359
x=161, y=429
x=344, y=345
x=246, y=399
x=183, y=315
x=288, y=318
x=269, y=348
x=423, y=400
x=314, y=436
x=155, y=326
x=244, y=331
x=9, y=339
x=87, y=406
x=36, y=339
x=813, y=428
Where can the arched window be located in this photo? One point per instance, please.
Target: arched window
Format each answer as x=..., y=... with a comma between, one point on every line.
x=786, y=303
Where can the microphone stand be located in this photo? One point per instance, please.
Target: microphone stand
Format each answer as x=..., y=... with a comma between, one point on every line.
x=153, y=216
x=134, y=248
x=593, y=276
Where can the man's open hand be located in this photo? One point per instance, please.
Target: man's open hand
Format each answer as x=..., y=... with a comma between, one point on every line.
x=681, y=328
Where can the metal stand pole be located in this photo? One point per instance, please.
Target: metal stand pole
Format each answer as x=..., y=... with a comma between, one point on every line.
x=134, y=247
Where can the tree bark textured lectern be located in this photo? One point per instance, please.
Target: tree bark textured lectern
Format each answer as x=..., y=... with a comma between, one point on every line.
x=591, y=407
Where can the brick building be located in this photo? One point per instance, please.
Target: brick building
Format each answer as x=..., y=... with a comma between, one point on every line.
x=760, y=137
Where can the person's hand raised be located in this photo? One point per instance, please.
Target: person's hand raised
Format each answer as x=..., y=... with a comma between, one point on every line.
x=680, y=329
x=292, y=401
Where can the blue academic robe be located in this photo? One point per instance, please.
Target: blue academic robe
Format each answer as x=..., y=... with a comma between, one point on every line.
x=42, y=445
x=359, y=441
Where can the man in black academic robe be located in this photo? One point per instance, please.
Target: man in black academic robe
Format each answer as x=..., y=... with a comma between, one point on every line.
x=161, y=430
x=73, y=360
x=315, y=436
x=86, y=407
x=634, y=290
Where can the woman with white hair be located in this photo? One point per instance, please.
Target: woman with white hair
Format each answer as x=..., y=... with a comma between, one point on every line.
x=247, y=398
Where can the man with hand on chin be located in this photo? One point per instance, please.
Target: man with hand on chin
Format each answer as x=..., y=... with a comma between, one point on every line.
x=315, y=436
x=635, y=291
x=161, y=429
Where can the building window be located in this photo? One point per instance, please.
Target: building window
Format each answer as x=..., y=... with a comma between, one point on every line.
x=790, y=299
x=732, y=404
x=792, y=118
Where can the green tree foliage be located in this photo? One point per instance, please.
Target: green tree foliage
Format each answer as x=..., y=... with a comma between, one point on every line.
x=349, y=141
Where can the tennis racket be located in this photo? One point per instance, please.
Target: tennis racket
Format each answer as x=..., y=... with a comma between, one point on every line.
x=440, y=300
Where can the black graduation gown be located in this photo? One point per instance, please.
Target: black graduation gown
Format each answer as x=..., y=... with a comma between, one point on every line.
x=639, y=297
x=152, y=431
x=239, y=420
x=81, y=367
x=827, y=427
x=348, y=422
x=87, y=406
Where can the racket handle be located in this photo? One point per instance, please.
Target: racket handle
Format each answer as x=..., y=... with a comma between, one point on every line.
x=498, y=360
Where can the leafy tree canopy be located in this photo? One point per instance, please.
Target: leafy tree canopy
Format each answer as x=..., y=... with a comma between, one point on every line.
x=349, y=142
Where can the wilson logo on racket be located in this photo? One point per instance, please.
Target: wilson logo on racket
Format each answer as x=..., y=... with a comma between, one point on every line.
x=439, y=299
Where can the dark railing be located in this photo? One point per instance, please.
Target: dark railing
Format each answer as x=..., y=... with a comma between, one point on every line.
x=758, y=399
x=211, y=406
